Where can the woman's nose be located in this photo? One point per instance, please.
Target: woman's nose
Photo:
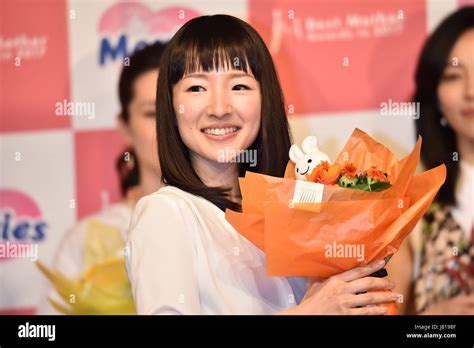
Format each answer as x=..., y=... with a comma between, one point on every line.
x=219, y=104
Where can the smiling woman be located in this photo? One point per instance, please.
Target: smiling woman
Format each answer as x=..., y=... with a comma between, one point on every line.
x=218, y=91
x=222, y=90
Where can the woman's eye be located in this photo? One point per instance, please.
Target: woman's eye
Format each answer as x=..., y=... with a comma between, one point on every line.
x=150, y=114
x=195, y=89
x=240, y=87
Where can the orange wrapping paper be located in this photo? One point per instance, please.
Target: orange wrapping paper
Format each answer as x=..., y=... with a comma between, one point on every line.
x=295, y=239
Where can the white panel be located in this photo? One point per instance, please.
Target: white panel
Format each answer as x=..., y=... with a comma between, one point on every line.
x=437, y=10
x=333, y=130
x=44, y=173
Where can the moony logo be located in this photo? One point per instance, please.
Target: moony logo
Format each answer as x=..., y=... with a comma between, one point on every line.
x=21, y=225
x=126, y=27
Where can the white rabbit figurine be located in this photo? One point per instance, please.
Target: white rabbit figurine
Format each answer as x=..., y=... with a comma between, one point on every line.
x=306, y=160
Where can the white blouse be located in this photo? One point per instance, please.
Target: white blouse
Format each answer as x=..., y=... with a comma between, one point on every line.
x=183, y=257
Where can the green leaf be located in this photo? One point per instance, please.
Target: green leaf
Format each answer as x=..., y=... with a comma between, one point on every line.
x=380, y=186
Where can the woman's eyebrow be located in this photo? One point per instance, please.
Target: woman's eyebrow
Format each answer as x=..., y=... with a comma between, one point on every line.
x=235, y=75
x=205, y=76
x=147, y=103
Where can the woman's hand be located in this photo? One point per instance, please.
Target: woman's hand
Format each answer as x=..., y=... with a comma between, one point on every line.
x=461, y=304
x=343, y=294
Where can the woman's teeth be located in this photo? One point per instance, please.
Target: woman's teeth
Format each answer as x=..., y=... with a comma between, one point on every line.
x=220, y=131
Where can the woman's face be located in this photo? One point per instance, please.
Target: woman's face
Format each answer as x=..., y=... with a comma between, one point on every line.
x=217, y=111
x=140, y=132
x=456, y=89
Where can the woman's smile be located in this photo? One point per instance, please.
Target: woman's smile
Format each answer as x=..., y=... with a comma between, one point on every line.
x=220, y=132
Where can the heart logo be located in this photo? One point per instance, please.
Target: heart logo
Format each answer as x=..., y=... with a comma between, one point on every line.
x=139, y=18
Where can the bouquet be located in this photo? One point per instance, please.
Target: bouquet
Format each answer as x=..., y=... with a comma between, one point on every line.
x=322, y=219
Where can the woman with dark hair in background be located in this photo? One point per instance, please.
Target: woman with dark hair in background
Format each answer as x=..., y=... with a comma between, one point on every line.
x=218, y=90
x=443, y=249
x=101, y=237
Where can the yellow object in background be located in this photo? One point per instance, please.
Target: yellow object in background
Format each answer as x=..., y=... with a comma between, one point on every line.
x=103, y=241
x=104, y=289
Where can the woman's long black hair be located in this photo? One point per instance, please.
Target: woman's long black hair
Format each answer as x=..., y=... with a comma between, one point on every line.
x=439, y=142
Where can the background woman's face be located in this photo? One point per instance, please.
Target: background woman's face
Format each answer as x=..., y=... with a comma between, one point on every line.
x=217, y=110
x=456, y=89
x=141, y=130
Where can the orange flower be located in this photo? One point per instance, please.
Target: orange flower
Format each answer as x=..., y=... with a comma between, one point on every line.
x=349, y=170
x=376, y=174
x=324, y=173
x=323, y=165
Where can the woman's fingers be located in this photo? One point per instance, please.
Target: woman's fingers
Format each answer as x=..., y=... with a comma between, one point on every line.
x=360, y=272
x=368, y=283
x=371, y=298
x=373, y=310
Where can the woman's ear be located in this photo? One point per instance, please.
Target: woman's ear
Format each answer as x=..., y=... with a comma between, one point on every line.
x=124, y=130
